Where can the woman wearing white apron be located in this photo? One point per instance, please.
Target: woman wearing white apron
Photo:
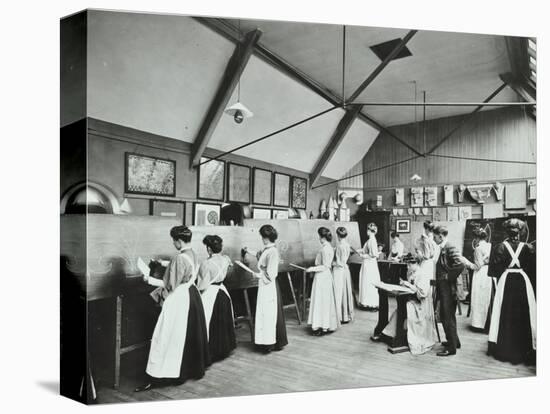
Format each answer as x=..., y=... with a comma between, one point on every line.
x=513, y=330
x=342, y=277
x=323, y=314
x=179, y=347
x=270, y=328
x=368, y=294
x=218, y=308
x=482, y=285
x=425, y=250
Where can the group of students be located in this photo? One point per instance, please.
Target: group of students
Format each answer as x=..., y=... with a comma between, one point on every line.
x=502, y=294
x=196, y=327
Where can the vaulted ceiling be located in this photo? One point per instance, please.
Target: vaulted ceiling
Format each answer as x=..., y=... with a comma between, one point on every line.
x=160, y=73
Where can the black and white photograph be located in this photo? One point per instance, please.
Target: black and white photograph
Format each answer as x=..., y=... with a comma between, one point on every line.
x=254, y=206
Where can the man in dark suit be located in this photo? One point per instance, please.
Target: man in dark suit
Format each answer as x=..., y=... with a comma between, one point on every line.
x=448, y=267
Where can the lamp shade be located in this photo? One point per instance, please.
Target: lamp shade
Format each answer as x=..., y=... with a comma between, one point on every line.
x=239, y=107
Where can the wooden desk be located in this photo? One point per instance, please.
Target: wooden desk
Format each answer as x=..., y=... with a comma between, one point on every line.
x=399, y=342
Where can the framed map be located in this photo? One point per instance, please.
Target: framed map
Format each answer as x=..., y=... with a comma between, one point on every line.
x=206, y=214
x=211, y=180
x=299, y=192
x=281, y=190
x=263, y=187
x=149, y=175
x=238, y=178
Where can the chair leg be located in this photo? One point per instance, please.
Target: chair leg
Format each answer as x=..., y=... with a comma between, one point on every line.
x=294, y=298
x=249, y=315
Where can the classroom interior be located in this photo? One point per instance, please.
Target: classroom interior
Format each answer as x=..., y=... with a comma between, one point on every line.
x=291, y=124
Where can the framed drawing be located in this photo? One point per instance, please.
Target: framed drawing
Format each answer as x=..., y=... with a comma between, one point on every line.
x=238, y=183
x=206, y=214
x=279, y=214
x=211, y=180
x=149, y=175
x=262, y=187
x=281, y=190
x=403, y=225
x=299, y=192
x=261, y=213
x=464, y=213
x=417, y=197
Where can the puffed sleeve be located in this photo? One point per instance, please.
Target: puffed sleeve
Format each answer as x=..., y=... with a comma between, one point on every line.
x=373, y=247
x=204, y=276
x=340, y=258
x=326, y=257
x=271, y=266
x=422, y=283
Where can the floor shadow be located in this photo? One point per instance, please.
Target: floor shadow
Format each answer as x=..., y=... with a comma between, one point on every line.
x=51, y=386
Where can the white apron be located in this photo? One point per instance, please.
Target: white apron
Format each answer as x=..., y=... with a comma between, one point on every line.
x=168, y=342
x=482, y=286
x=368, y=294
x=266, y=312
x=209, y=299
x=497, y=304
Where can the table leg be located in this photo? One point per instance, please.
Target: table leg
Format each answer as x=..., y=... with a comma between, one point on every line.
x=383, y=310
x=118, y=341
x=294, y=298
x=399, y=342
x=249, y=314
x=304, y=297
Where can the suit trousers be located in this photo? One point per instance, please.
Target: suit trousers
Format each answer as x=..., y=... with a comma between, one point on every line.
x=447, y=312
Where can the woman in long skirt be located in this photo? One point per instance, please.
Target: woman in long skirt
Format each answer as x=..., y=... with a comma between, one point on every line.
x=425, y=250
x=179, y=347
x=323, y=314
x=420, y=325
x=482, y=284
x=513, y=330
x=368, y=294
x=342, y=277
x=270, y=329
x=218, y=308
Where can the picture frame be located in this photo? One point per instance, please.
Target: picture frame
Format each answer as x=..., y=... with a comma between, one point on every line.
x=299, y=192
x=261, y=213
x=262, y=186
x=238, y=183
x=211, y=180
x=148, y=175
x=278, y=214
x=206, y=214
x=403, y=225
x=168, y=208
x=281, y=190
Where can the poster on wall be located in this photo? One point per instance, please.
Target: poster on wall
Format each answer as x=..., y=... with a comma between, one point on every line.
x=263, y=185
x=211, y=180
x=261, y=213
x=279, y=214
x=465, y=213
x=299, y=192
x=515, y=195
x=431, y=196
x=206, y=214
x=399, y=196
x=440, y=214
x=238, y=178
x=452, y=213
x=281, y=190
x=149, y=175
x=417, y=197
x=448, y=194
x=532, y=190
x=493, y=210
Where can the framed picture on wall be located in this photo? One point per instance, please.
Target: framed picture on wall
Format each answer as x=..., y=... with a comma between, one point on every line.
x=206, y=214
x=238, y=183
x=262, y=187
x=261, y=213
x=281, y=190
x=149, y=175
x=299, y=192
x=279, y=214
x=167, y=208
x=211, y=180
x=403, y=225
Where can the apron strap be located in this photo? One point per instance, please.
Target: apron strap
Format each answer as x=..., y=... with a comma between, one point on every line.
x=514, y=254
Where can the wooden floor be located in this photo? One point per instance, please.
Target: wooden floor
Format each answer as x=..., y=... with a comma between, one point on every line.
x=344, y=359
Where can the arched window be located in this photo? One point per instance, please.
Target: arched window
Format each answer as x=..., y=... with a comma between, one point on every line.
x=92, y=198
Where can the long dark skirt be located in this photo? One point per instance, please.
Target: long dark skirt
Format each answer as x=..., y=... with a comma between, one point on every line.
x=514, y=342
x=280, y=338
x=196, y=354
x=222, y=338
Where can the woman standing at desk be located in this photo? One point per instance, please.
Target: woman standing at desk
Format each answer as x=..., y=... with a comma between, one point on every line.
x=218, y=308
x=323, y=316
x=342, y=277
x=482, y=285
x=368, y=295
x=270, y=328
x=426, y=249
x=179, y=347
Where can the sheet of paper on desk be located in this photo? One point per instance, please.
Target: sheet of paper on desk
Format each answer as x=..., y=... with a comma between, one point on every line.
x=245, y=267
x=143, y=268
x=392, y=288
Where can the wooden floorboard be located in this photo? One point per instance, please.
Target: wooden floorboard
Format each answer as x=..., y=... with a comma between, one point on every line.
x=344, y=359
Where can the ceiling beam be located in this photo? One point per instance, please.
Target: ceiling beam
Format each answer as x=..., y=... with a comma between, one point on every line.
x=467, y=118
x=233, y=72
x=343, y=127
x=523, y=89
x=396, y=50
